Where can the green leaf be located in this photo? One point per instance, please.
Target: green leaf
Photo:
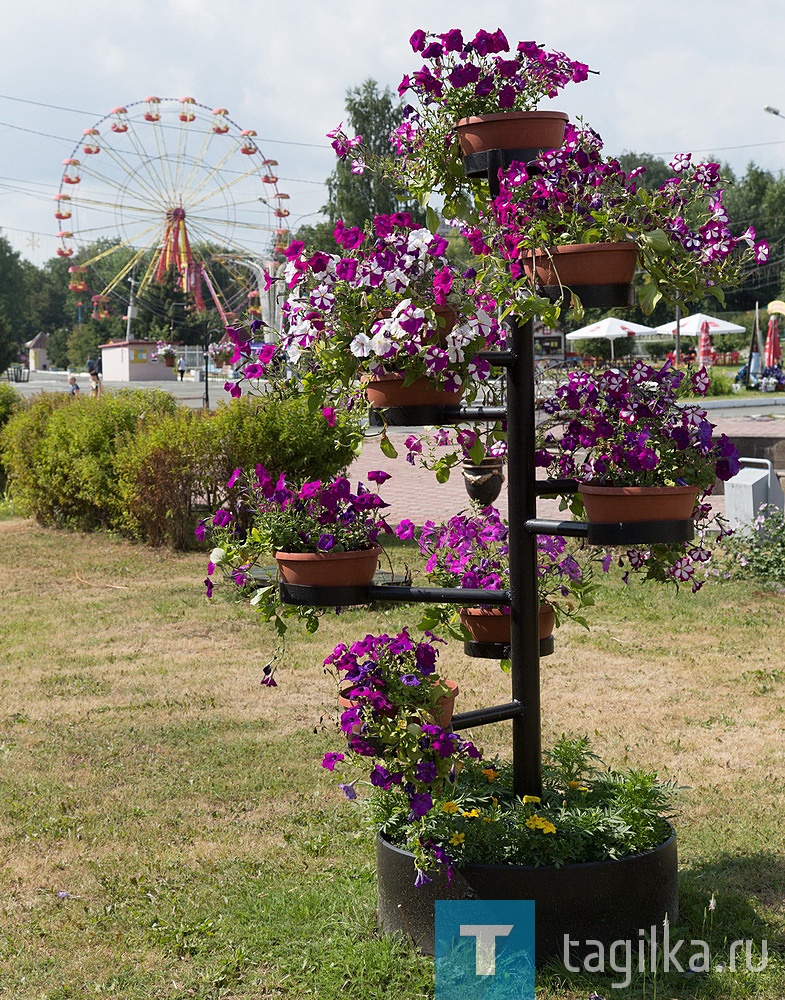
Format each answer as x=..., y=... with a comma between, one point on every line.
x=477, y=451
x=648, y=297
x=387, y=448
x=442, y=470
x=432, y=219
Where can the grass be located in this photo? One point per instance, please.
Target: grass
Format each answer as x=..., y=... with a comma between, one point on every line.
x=166, y=830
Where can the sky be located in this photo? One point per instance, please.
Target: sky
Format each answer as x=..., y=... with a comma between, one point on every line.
x=671, y=76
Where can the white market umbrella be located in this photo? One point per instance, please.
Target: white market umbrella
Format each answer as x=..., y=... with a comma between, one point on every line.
x=610, y=329
x=690, y=326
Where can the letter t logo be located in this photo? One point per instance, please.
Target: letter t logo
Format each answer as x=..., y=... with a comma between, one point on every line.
x=485, y=936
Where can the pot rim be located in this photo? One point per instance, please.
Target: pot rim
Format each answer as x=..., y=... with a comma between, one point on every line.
x=618, y=491
x=500, y=116
x=622, y=245
x=570, y=866
x=310, y=556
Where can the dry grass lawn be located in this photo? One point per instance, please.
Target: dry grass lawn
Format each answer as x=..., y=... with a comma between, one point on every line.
x=163, y=817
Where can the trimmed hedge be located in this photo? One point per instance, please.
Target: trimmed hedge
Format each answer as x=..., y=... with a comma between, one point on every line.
x=137, y=462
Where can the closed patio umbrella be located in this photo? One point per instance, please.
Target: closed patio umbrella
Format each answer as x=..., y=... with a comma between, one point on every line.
x=772, y=353
x=704, y=346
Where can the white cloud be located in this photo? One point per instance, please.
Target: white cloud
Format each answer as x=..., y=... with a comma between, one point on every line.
x=672, y=76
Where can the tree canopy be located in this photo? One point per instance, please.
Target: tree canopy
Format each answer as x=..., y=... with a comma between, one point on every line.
x=357, y=198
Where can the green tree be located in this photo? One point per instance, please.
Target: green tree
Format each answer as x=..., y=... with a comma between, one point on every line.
x=357, y=198
x=9, y=348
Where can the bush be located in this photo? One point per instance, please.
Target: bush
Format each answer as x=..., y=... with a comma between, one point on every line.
x=60, y=453
x=759, y=550
x=284, y=435
x=136, y=461
x=10, y=400
x=164, y=471
x=658, y=350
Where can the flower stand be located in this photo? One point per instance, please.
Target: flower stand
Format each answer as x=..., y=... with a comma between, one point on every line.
x=601, y=901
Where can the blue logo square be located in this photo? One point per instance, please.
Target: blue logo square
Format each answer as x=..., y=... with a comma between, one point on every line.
x=484, y=949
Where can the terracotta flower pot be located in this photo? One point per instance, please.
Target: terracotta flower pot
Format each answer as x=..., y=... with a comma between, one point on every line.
x=443, y=711
x=329, y=569
x=525, y=130
x=169, y=361
x=614, y=505
x=389, y=391
x=584, y=264
x=492, y=625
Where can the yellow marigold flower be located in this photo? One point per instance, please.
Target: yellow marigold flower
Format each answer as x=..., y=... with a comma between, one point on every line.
x=490, y=773
x=450, y=807
x=531, y=798
x=573, y=784
x=457, y=838
x=536, y=822
x=470, y=813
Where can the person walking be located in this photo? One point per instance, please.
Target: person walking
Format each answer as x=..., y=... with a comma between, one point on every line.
x=73, y=388
x=181, y=368
x=95, y=385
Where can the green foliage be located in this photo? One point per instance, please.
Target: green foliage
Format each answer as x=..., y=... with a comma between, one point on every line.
x=10, y=400
x=57, y=348
x=82, y=343
x=284, y=435
x=600, y=347
x=658, y=350
x=9, y=348
x=759, y=550
x=137, y=462
x=59, y=453
x=587, y=812
x=373, y=114
x=163, y=470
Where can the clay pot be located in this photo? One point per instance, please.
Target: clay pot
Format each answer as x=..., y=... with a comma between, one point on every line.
x=443, y=710
x=389, y=391
x=492, y=625
x=614, y=505
x=329, y=569
x=584, y=264
x=524, y=130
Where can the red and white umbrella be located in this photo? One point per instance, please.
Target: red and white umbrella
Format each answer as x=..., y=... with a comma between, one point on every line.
x=704, y=346
x=772, y=353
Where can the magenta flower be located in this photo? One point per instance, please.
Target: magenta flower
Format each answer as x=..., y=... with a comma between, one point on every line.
x=331, y=759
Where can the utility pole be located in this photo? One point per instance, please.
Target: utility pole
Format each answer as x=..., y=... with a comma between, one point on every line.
x=131, y=309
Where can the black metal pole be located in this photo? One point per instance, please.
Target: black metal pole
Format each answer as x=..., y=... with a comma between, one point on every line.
x=524, y=602
x=206, y=397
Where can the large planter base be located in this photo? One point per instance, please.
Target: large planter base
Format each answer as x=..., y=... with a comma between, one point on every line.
x=600, y=901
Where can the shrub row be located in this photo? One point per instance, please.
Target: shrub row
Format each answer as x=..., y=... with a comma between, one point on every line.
x=137, y=462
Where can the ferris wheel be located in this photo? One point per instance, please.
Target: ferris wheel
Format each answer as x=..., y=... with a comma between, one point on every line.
x=169, y=190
